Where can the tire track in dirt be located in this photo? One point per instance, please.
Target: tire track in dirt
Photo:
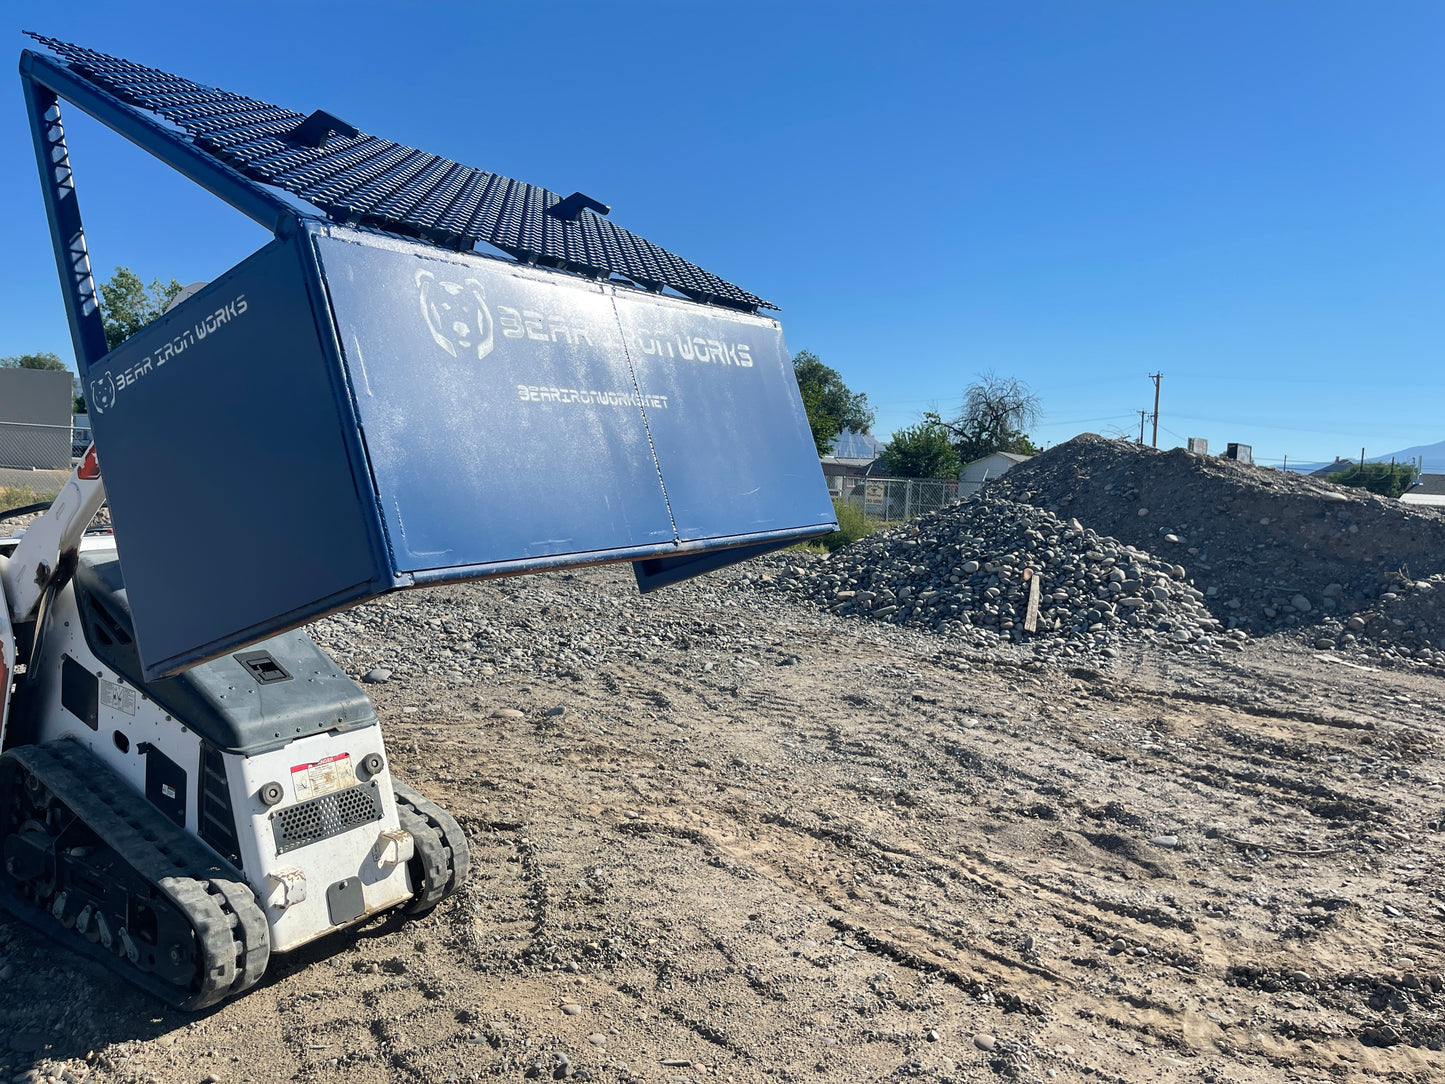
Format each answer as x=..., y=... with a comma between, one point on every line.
x=845, y=867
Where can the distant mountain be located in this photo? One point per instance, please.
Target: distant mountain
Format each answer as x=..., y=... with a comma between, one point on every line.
x=1434, y=457
x=1311, y=468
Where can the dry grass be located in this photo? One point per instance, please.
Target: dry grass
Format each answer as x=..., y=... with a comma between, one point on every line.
x=21, y=496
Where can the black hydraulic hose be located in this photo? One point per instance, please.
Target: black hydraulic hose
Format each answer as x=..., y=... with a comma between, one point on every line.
x=24, y=510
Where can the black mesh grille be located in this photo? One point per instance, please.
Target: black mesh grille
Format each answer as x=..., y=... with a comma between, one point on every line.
x=218, y=822
x=367, y=181
x=324, y=817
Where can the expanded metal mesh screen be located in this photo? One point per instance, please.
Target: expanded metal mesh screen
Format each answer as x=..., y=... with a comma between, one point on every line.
x=363, y=180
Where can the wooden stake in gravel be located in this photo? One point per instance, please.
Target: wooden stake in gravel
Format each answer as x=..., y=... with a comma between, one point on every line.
x=1031, y=615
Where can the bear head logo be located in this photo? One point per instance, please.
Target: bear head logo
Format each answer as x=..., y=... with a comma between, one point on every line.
x=102, y=393
x=456, y=314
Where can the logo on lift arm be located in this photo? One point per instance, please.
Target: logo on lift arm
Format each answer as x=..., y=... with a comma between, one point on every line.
x=456, y=314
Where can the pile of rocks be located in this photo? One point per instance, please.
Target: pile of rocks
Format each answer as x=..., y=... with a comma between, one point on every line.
x=965, y=571
x=1271, y=550
x=1404, y=624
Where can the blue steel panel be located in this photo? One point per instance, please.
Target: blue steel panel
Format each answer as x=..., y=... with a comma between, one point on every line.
x=500, y=415
x=734, y=446
x=655, y=572
x=223, y=443
x=481, y=419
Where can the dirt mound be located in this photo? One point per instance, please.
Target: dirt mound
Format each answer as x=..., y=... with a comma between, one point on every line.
x=1270, y=550
x=966, y=571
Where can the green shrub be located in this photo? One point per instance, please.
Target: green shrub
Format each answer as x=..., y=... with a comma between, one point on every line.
x=852, y=525
x=921, y=451
x=1386, y=479
x=20, y=496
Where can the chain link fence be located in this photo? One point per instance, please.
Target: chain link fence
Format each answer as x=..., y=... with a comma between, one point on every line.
x=894, y=500
x=29, y=445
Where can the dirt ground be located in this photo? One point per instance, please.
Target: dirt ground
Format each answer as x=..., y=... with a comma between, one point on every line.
x=719, y=834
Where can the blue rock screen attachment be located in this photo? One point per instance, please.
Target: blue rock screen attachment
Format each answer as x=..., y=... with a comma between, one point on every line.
x=351, y=414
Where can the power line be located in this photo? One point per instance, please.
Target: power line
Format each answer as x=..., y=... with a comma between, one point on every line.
x=1050, y=420
x=1345, y=430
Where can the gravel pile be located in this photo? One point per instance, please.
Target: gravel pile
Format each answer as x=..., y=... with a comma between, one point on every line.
x=1271, y=551
x=559, y=624
x=1405, y=623
x=965, y=571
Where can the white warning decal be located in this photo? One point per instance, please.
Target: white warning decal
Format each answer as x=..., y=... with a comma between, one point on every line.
x=323, y=776
x=117, y=697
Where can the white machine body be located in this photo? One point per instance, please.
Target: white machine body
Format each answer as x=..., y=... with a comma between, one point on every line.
x=311, y=822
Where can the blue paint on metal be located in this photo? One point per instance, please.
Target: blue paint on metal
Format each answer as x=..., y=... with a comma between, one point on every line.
x=733, y=442
x=67, y=238
x=379, y=414
x=513, y=414
x=239, y=507
x=344, y=414
x=460, y=367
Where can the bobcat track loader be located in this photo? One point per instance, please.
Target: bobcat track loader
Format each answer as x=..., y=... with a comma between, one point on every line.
x=188, y=783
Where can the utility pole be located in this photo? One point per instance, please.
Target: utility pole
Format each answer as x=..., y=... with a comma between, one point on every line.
x=1156, y=377
x=1142, y=415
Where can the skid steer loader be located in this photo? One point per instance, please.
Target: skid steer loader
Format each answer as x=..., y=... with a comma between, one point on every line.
x=188, y=784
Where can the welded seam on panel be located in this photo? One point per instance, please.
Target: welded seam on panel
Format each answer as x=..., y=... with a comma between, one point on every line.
x=646, y=425
x=333, y=345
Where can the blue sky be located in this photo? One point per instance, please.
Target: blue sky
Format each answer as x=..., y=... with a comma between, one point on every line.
x=1246, y=197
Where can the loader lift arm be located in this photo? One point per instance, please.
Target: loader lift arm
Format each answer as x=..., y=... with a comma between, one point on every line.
x=45, y=555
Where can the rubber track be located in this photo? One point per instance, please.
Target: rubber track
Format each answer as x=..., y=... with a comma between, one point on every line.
x=230, y=927
x=440, y=843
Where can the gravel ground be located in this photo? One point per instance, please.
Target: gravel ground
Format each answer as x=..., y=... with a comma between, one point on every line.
x=723, y=832
x=847, y=819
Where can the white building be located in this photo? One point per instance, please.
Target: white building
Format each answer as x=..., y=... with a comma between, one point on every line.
x=975, y=474
x=1429, y=490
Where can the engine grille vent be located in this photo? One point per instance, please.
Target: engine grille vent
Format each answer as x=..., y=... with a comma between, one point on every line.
x=324, y=817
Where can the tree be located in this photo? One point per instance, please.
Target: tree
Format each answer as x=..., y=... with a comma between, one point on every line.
x=996, y=410
x=1386, y=479
x=824, y=426
x=831, y=406
x=127, y=305
x=43, y=360
x=921, y=451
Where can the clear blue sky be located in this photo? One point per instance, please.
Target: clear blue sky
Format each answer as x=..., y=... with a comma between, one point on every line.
x=1246, y=197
